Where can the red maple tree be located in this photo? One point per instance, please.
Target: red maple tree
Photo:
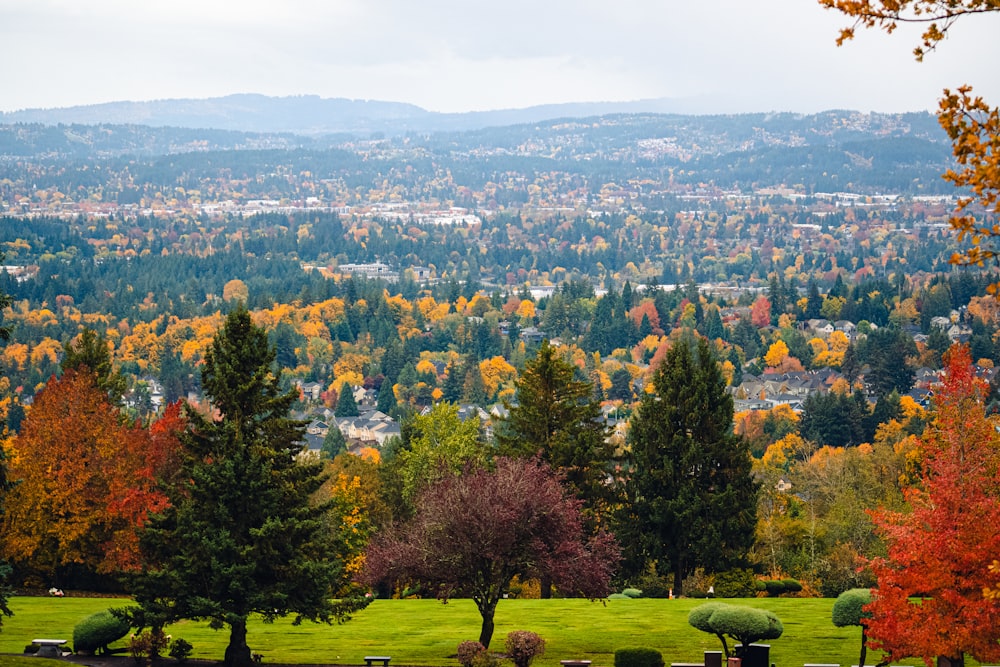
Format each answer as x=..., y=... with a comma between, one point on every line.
x=87, y=481
x=929, y=601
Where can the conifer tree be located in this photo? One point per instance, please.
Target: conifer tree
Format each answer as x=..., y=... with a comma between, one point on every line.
x=346, y=405
x=242, y=536
x=91, y=350
x=557, y=418
x=334, y=443
x=690, y=499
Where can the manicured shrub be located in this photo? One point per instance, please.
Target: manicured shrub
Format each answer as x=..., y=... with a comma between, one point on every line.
x=94, y=633
x=618, y=596
x=774, y=587
x=848, y=609
x=523, y=646
x=745, y=625
x=792, y=585
x=468, y=651
x=632, y=593
x=735, y=584
x=180, y=649
x=638, y=657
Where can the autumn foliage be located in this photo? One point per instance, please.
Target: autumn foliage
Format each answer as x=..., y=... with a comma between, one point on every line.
x=473, y=533
x=87, y=481
x=941, y=552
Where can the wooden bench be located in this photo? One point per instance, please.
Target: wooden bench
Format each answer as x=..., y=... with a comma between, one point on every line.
x=370, y=659
x=575, y=663
x=49, y=648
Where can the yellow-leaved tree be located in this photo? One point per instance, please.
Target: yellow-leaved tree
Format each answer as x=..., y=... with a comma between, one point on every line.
x=972, y=125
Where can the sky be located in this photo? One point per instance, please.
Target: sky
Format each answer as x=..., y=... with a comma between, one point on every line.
x=472, y=55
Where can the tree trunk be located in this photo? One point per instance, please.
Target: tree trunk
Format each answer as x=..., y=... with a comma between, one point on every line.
x=487, y=611
x=238, y=652
x=680, y=563
x=864, y=646
x=546, y=586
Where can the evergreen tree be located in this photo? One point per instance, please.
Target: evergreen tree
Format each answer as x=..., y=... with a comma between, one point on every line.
x=346, y=405
x=91, y=351
x=690, y=498
x=451, y=390
x=242, y=536
x=814, y=302
x=557, y=418
x=712, y=327
x=334, y=443
x=386, y=398
x=473, y=388
x=621, y=386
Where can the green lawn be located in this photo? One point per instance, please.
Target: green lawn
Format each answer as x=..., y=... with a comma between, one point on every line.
x=426, y=632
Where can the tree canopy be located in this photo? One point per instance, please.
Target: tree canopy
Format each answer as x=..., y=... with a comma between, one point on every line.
x=242, y=535
x=473, y=533
x=556, y=417
x=691, y=500
x=929, y=600
x=86, y=480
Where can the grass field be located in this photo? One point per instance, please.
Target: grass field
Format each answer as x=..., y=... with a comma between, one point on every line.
x=426, y=632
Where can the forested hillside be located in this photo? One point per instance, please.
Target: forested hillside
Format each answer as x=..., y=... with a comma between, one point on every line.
x=399, y=277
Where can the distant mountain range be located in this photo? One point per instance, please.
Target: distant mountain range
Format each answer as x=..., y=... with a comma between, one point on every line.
x=314, y=115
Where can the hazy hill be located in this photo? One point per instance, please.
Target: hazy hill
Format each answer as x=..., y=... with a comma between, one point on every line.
x=313, y=115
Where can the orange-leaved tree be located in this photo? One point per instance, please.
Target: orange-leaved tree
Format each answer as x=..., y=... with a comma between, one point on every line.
x=929, y=601
x=972, y=125
x=86, y=480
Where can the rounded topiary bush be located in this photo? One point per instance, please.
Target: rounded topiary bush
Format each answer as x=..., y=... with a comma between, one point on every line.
x=468, y=651
x=94, y=633
x=638, y=657
x=632, y=593
x=774, y=587
x=792, y=585
x=523, y=646
x=849, y=609
x=745, y=625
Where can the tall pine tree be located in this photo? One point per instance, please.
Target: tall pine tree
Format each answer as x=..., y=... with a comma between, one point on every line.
x=242, y=535
x=690, y=498
x=556, y=417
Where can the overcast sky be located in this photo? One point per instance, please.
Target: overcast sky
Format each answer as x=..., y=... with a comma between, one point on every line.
x=464, y=55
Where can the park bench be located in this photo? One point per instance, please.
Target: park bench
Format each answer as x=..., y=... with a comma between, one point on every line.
x=575, y=663
x=48, y=648
x=371, y=659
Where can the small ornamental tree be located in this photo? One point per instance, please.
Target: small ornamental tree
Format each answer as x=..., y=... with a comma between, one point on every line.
x=942, y=550
x=849, y=609
x=473, y=533
x=745, y=625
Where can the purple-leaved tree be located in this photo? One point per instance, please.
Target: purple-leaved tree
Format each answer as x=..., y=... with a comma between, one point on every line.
x=474, y=532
